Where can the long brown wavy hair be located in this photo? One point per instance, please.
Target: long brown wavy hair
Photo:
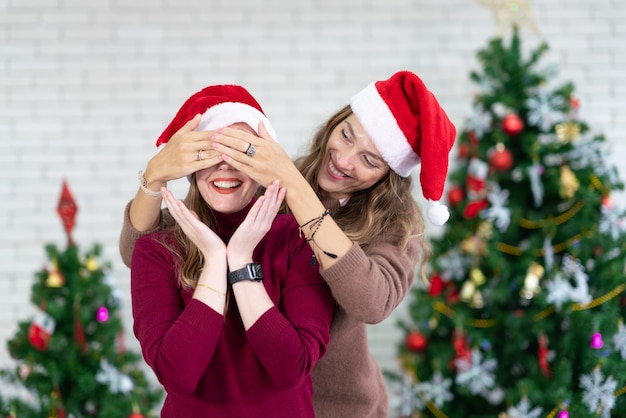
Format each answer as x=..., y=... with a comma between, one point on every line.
x=386, y=208
x=188, y=258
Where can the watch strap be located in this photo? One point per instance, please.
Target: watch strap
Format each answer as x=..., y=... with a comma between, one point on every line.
x=251, y=271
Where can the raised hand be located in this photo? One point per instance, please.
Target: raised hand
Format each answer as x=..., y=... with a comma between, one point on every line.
x=255, y=226
x=186, y=152
x=269, y=162
x=200, y=234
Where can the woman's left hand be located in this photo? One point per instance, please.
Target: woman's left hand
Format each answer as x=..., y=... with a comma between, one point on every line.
x=268, y=163
x=255, y=226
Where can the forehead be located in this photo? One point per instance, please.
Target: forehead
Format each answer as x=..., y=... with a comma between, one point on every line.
x=242, y=126
x=354, y=126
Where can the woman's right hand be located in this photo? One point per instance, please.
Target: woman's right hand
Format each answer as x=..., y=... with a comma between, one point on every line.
x=185, y=153
x=199, y=233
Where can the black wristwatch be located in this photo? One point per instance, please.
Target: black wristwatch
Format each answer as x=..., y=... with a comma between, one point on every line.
x=251, y=271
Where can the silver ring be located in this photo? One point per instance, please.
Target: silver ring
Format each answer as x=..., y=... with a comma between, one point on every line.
x=251, y=150
x=199, y=155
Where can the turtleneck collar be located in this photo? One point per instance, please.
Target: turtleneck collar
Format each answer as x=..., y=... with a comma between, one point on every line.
x=227, y=223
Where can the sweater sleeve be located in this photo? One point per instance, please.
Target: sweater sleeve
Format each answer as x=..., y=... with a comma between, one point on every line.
x=177, y=341
x=369, y=284
x=289, y=339
x=130, y=235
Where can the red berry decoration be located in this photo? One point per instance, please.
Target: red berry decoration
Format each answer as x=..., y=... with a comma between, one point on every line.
x=501, y=158
x=512, y=124
x=463, y=150
x=455, y=196
x=416, y=341
x=473, y=208
x=452, y=295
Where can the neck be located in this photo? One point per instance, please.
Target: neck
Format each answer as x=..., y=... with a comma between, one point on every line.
x=227, y=223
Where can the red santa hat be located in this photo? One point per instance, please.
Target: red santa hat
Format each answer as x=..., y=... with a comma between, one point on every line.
x=408, y=126
x=220, y=106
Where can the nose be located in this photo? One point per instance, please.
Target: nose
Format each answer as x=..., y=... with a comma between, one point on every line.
x=344, y=160
x=223, y=165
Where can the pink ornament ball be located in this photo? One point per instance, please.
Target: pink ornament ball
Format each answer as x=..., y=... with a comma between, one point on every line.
x=103, y=314
x=563, y=414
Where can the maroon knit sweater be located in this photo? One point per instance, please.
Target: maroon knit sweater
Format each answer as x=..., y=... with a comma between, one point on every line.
x=208, y=364
x=367, y=284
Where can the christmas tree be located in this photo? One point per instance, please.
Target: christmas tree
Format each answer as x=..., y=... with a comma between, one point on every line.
x=70, y=357
x=523, y=312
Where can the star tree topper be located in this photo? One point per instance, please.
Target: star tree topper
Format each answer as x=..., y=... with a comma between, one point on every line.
x=509, y=13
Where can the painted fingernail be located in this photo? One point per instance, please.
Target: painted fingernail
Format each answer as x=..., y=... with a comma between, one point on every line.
x=220, y=130
x=213, y=136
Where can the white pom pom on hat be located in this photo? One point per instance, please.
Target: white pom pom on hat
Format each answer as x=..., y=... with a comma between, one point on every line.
x=409, y=127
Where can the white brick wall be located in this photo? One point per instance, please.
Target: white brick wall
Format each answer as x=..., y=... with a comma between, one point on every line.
x=86, y=87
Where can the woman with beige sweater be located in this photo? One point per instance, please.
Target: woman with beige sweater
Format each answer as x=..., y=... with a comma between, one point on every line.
x=352, y=197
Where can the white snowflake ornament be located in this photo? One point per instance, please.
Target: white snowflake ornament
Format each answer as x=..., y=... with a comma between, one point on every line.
x=437, y=390
x=543, y=109
x=619, y=340
x=498, y=213
x=404, y=397
x=115, y=379
x=524, y=410
x=598, y=392
x=479, y=122
x=476, y=375
x=453, y=265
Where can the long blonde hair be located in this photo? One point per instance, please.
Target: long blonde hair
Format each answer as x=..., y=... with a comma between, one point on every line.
x=386, y=208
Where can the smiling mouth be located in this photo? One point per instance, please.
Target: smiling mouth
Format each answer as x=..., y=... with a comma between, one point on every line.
x=334, y=171
x=226, y=186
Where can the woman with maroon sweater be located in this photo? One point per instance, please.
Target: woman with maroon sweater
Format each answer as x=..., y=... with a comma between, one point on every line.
x=229, y=312
x=352, y=196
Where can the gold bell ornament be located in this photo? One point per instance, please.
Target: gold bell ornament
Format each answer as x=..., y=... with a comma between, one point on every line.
x=531, y=281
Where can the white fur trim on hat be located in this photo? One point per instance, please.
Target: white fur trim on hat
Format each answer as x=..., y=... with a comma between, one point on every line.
x=383, y=129
x=227, y=113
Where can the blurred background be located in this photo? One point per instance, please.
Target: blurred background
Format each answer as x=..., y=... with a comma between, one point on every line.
x=86, y=88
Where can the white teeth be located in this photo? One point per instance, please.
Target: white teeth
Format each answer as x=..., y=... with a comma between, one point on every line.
x=334, y=170
x=226, y=184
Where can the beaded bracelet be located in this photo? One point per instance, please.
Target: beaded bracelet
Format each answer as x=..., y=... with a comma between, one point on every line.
x=314, y=225
x=143, y=182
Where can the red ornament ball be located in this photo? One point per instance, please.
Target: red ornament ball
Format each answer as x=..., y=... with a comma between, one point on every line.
x=455, y=196
x=136, y=415
x=415, y=341
x=501, y=158
x=436, y=285
x=512, y=124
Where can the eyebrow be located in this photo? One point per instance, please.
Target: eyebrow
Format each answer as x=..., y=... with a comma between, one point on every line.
x=374, y=156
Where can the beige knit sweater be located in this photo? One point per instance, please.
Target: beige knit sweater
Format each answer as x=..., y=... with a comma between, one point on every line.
x=367, y=286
